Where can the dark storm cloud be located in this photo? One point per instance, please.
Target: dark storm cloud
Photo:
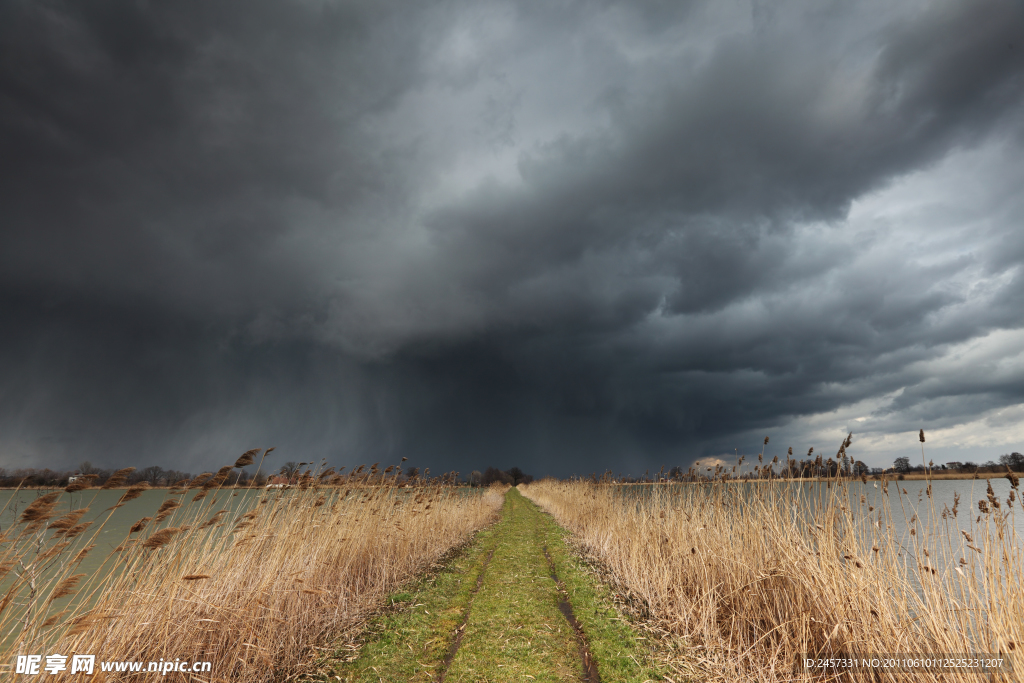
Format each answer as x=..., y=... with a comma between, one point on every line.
x=153, y=149
x=569, y=236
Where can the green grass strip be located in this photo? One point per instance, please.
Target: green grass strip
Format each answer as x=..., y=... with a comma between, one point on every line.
x=411, y=639
x=621, y=655
x=515, y=631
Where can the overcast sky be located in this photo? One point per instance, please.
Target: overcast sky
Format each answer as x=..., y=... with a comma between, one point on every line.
x=568, y=236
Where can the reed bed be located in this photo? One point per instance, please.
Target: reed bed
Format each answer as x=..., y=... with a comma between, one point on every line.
x=755, y=577
x=253, y=584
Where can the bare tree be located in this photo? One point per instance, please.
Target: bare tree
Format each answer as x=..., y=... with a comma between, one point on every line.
x=290, y=469
x=153, y=474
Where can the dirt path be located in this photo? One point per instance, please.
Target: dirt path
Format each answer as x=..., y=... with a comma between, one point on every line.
x=515, y=605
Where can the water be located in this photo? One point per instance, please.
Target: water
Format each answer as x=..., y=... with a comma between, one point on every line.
x=802, y=501
x=109, y=529
x=115, y=523
x=904, y=507
x=916, y=506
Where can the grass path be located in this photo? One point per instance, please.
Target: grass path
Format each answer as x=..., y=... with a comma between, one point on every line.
x=501, y=610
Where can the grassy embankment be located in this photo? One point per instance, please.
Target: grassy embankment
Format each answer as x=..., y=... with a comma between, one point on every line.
x=492, y=614
x=253, y=590
x=757, y=578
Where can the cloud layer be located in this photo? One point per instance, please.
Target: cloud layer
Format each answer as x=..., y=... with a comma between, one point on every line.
x=570, y=236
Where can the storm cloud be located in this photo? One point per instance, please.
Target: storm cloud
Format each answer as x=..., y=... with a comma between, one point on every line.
x=566, y=236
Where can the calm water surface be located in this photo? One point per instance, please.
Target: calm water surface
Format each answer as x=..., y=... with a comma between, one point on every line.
x=904, y=507
x=109, y=529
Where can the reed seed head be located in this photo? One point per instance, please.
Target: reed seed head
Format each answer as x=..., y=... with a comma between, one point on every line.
x=82, y=482
x=133, y=493
x=118, y=478
x=200, y=480
x=77, y=529
x=247, y=458
x=217, y=479
x=81, y=624
x=41, y=509
x=69, y=520
x=168, y=505
x=160, y=538
x=54, y=619
x=82, y=553
x=66, y=587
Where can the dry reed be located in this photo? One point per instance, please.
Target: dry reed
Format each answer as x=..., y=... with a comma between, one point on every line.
x=254, y=596
x=754, y=577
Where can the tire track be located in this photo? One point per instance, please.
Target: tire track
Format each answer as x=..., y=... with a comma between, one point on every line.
x=590, y=673
x=503, y=625
x=461, y=630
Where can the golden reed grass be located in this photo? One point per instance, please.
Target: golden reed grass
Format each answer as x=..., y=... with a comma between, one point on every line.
x=754, y=577
x=252, y=582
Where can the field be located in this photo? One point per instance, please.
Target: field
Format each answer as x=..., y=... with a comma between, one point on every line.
x=252, y=587
x=361, y=578
x=517, y=606
x=758, y=578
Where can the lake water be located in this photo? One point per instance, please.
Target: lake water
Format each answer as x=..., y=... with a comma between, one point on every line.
x=109, y=529
x=915, y=503
x=116, y=523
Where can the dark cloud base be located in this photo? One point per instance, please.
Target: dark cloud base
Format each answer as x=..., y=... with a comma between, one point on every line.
x=570, y=237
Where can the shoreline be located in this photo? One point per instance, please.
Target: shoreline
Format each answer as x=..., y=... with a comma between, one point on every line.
x=913, y=476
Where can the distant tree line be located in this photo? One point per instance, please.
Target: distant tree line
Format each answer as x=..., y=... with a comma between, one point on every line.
x=841, y=466
x=1014, y=461
x=153, y=475
x=512, y=477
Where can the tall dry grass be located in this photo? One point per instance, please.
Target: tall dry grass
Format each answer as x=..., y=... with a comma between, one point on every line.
x=757, y=576
x=251, y=584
